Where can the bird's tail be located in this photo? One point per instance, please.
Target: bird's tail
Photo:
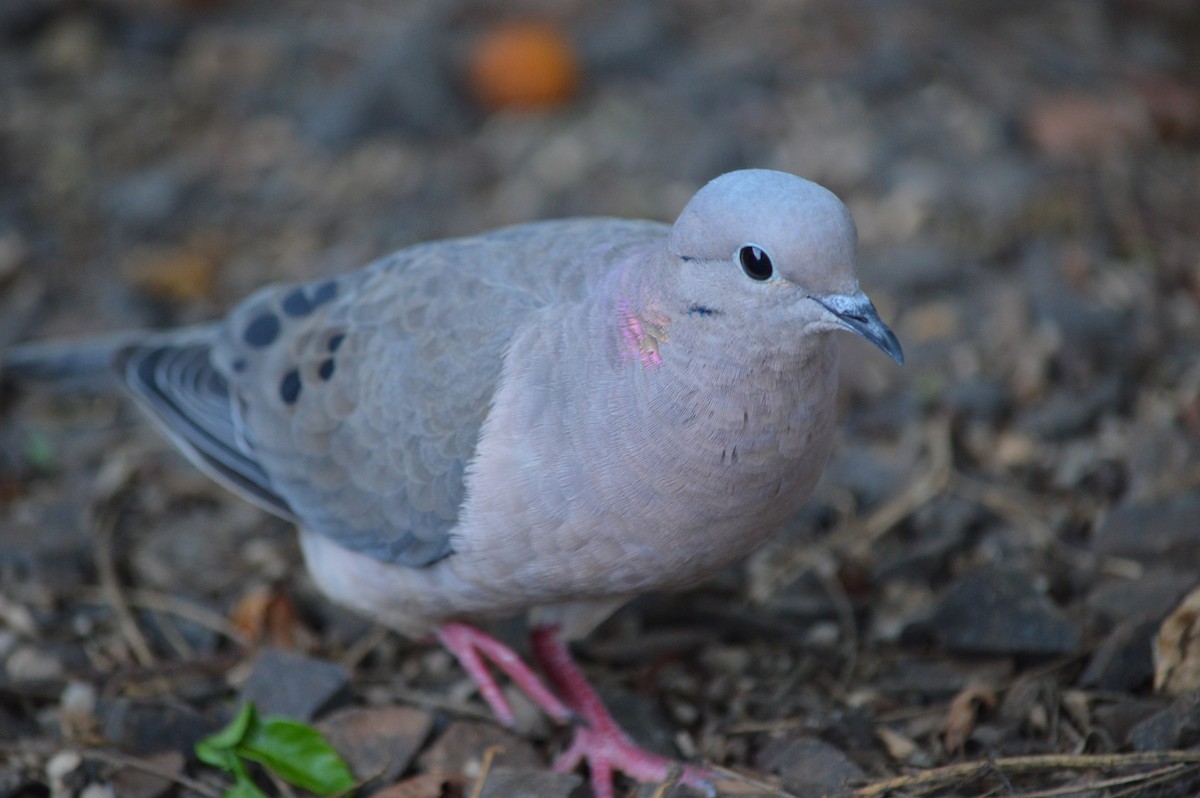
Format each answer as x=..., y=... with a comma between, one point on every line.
x=83, y=361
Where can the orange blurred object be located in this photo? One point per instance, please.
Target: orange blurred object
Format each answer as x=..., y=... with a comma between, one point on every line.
x=524, y=66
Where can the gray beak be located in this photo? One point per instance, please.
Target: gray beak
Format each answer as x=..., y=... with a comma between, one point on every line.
x=857, y=314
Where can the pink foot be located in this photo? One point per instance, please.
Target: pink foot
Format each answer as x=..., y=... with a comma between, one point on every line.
x=601, y=742
x=472, y=646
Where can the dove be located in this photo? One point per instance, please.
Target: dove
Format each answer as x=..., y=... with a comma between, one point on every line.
x=548, y=418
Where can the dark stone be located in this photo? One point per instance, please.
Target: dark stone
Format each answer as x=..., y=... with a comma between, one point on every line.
x=1177, y=726
x=461, y=746
x=1000, y=611
x=293, y=685
x=1118, y=720
x=1150, y=597
x=1165, y=529
x=262, y=330
x=289, y=387
x=1123, y=661
x=810, y=768
x=149, y=726
x=379, y=743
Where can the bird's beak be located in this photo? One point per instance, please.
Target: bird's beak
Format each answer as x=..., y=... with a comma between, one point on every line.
x=857, y=314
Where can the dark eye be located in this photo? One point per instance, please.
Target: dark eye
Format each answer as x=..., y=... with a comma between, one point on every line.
x=755, y=263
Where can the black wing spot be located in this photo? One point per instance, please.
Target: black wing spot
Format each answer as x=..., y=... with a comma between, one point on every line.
x=289, y=387
x=336, y=341
x=262, y=330
x=296, y=303
x=325, y=370
x=324, y=292
x=702, y=310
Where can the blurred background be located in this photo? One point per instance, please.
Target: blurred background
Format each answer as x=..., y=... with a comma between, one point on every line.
x=1014, y=512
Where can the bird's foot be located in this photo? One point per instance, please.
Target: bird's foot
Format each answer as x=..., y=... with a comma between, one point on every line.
x=607, y=750
x=599, y=741
x=471, y=646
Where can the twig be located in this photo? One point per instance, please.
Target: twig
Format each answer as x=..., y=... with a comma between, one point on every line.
x=861, y=534
x=761, y=788
x=167, y=604
x=359, y=650
x=488, y=755
x=1116, y=781
x=932, y=779
x=426, y=700
x=110, y=588
x=124, y=760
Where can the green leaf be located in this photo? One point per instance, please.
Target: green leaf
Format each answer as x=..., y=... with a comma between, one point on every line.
x=294, y=751
x=218, y=749
x=298, y=754
x=244, y=788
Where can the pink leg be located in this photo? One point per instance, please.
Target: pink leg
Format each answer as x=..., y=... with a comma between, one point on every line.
x=471, y=647
x=601, y=741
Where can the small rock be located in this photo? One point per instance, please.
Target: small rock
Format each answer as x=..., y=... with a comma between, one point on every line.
x=144, y=727
x=1123, y=661
x=1165, y=529
x=504, y=782
x=1000, y=611
x=293, y=685
x=1149, y=597
x=29, y=664
x=1119, y=719
x=461, y=749
x=810, y=768
x=1177, y=726
x=378, y=743
x=131, y=782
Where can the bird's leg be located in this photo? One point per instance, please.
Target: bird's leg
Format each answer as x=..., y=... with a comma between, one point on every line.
x=472, y=647
x=600, y=741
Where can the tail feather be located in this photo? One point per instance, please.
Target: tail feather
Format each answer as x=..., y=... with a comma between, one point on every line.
x=87, y=361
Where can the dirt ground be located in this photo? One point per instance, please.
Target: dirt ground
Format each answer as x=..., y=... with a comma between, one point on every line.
x=982, y=598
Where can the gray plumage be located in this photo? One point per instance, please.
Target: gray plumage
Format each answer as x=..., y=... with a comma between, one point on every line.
x=555, y=415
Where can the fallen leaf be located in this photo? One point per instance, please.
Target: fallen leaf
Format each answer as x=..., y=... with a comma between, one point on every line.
x=266, y=614
x=963, y=712
x=1177, y=648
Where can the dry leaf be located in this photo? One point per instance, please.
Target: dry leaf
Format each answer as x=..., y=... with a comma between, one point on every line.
x=1177, y=648
x=267, y=614
x=899, y=747
x=963, y=712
